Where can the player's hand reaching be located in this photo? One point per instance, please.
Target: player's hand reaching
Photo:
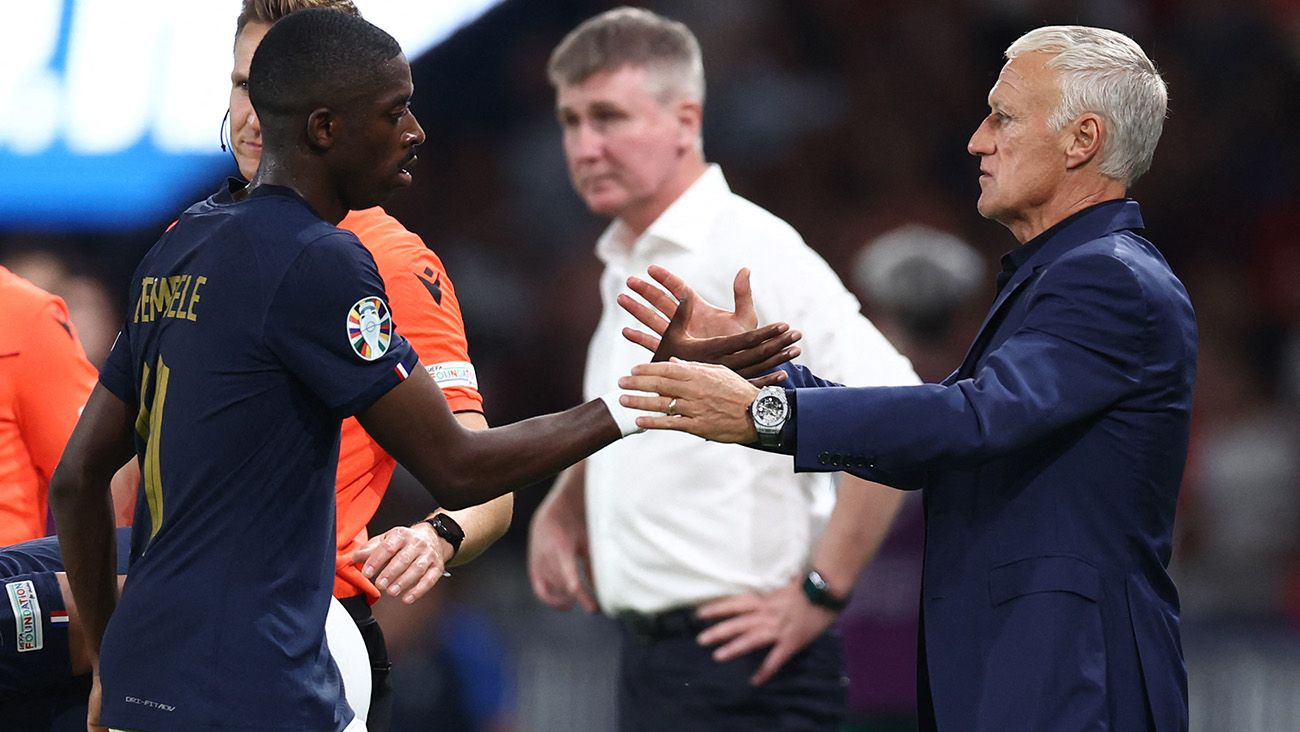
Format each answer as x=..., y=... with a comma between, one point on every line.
x=688, y=327
x=405, y=561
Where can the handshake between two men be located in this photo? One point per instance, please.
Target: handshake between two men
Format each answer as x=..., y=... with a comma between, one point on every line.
x=709, y=363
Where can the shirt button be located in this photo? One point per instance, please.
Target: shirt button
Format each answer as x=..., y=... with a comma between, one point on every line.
x=824, y=457
x=837, y=460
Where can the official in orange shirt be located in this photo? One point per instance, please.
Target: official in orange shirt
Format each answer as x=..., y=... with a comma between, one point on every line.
x=45, y=380
x=405, y=561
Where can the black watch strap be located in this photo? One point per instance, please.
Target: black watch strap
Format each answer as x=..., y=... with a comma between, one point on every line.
x=446, y=527
x=814, y=587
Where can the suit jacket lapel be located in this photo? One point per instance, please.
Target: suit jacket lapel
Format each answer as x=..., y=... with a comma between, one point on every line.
x=991, y=322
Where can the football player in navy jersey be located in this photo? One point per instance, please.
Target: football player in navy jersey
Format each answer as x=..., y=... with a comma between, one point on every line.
x=254, y=326
x=44, y=664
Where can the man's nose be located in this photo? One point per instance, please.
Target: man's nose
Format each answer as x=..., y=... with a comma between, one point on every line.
x=980, y=142
x=584, y=142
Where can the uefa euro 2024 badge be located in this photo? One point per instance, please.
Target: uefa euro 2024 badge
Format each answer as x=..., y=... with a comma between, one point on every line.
x=370, y=328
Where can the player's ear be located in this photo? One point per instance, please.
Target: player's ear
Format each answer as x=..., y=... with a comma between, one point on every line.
x=321, y=127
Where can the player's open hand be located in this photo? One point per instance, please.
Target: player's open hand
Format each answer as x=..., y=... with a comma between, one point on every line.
x=405, y=561
x=686, y=326
x=783, y=620
x=705, y=400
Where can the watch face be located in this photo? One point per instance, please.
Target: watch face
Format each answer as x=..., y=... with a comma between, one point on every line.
x=769, y=411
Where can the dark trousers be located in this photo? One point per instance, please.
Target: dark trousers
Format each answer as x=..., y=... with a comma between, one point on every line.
x=669, y=682
x=381, y=688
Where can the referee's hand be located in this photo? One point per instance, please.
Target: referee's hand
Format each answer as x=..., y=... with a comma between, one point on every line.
x=405, y=561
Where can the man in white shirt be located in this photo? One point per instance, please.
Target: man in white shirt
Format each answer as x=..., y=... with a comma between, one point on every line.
x=726, y=570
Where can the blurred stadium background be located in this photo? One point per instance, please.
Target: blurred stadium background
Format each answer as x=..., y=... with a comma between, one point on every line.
x=849, y=119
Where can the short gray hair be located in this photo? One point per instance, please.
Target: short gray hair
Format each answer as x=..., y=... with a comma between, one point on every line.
x=1107, y=73
x=632, y=37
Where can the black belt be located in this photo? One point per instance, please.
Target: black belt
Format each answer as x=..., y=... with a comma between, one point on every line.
x=659, y=626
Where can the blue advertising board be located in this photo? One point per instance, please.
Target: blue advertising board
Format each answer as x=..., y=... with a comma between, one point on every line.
x=110, y=112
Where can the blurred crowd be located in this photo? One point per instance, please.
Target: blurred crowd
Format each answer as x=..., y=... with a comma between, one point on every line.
x=849, y=120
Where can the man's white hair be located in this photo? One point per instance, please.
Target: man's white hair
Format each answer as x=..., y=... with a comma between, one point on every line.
x=1107, y=73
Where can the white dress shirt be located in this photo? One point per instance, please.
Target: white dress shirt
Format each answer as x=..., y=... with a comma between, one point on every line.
x=674, y=520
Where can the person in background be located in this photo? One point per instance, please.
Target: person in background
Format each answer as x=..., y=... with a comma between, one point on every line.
x=45, y=380
x=726, y=573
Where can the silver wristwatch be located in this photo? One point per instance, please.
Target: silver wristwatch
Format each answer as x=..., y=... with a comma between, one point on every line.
x=769, y=411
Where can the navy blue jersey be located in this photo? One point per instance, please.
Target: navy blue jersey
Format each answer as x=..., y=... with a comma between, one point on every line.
x=37, y=689
x=254, y=327
x=42, y=555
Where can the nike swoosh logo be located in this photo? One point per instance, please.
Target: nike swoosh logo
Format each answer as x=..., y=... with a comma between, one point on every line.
x=7, y=355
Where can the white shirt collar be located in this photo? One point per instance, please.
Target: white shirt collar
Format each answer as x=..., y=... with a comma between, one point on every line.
x=685, y=224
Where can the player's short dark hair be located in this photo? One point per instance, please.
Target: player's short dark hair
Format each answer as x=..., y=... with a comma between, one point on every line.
x=316, y=58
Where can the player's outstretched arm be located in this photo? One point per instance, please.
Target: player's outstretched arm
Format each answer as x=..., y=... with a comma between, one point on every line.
x=461, y=467
x=485, y=523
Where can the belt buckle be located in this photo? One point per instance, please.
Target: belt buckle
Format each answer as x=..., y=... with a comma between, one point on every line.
x=679, y=621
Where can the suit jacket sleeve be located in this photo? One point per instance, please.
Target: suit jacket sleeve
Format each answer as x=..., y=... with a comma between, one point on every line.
x=1078, y=351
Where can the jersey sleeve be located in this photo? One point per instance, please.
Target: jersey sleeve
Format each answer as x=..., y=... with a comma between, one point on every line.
x=57, y=380
x=427, y=311
x=330, y=324
x=116, y=373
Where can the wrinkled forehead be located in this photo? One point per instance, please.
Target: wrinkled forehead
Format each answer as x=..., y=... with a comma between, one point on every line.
x=626, y=84
x=1026, y=79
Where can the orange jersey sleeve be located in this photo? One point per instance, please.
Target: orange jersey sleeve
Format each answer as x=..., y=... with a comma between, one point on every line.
x=425, y=310
x=45, y=380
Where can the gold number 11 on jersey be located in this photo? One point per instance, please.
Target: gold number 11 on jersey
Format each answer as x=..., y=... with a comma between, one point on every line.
x=148, y=424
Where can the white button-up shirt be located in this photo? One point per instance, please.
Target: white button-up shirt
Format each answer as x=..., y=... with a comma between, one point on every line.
x=674, y=520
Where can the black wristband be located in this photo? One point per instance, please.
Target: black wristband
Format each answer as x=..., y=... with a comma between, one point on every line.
x=446, y=527
x=814, y=587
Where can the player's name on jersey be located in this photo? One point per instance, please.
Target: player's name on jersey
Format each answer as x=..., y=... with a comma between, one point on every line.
x=174, y=296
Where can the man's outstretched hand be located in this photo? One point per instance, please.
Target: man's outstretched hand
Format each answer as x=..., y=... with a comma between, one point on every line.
x=688, y=327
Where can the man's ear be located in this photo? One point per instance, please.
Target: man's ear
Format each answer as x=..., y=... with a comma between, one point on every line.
x=690, y=117
x=321, y=126
x=1085, y=138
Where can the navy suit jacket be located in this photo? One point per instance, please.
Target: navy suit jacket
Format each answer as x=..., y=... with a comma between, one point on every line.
x=1050, y=463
